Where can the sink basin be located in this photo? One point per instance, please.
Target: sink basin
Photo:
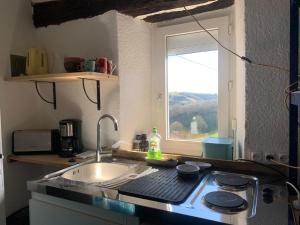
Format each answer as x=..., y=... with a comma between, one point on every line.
x=97, y=172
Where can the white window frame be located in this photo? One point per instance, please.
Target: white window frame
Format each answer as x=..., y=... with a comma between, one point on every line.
x=159, y=83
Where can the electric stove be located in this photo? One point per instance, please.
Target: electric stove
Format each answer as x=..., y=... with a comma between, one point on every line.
x=226, y=193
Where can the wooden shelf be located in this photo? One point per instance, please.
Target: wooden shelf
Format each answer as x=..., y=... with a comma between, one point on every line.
x=60, y=77
x=47, y=160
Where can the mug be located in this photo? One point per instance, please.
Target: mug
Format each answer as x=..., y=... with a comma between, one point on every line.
x=102, y=65
x=110, y=67
x=73, y=64
x=90, y=65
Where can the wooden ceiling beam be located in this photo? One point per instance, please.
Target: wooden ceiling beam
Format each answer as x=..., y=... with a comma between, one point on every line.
x=143, y=7
x=221, y=4
x=57, y=12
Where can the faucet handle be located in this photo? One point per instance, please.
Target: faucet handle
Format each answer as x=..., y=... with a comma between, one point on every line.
x=104, y=155
x=104, y=152
x=104, y=148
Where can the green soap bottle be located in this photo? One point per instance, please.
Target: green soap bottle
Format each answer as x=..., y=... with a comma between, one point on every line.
x=154, y=151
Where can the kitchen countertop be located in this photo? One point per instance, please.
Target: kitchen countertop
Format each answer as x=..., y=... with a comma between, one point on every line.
x=46, y=159
x=275, y=213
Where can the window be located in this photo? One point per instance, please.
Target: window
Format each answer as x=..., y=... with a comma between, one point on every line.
x=192, y=85
x=191, y=100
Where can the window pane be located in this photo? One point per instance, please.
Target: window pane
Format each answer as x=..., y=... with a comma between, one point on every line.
x=192, y=86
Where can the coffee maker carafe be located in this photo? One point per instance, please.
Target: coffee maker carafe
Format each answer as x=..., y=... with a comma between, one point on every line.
x=70, y=137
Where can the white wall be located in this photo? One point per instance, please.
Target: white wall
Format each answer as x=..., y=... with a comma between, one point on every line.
x=87, y=38
x=18, y=102
x=128, y=43
x=134, y=48
x=267, y=41
x=239, y=23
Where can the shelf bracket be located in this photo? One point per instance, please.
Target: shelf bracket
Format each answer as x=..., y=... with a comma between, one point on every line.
x=53, y=102
x=98, y=94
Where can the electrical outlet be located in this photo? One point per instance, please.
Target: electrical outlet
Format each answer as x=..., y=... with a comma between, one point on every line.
x=269, y=154
x=256, y=156
x=283, y=157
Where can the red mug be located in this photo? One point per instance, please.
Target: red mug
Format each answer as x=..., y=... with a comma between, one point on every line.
x=102, y=65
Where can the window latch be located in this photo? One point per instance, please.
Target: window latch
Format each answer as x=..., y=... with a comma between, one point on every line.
x=229, y=29
x=159, y=97
x=230, y=85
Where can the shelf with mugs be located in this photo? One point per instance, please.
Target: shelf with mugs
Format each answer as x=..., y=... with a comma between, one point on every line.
x=35, y=65
x=62, y=77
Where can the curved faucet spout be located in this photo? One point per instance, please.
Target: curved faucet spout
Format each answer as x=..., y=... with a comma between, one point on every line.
x=116, y=127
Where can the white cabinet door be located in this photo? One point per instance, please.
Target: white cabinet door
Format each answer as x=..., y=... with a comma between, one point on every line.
x=50, y=210
x=42, y=213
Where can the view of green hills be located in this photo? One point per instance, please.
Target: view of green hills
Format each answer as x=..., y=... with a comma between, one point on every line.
x=185, y=108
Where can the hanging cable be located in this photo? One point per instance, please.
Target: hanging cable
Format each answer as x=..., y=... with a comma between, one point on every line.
x=265, y=166
x=296, y=203
x=294, y=187
x=286, y=165
x=200, y=64
x=85, y=92
x=244, y=58
x=288, y=90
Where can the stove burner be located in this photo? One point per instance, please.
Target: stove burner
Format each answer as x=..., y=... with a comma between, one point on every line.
x=225, y=202
x=232, y=181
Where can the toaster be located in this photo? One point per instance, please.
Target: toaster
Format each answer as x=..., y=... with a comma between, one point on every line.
x=35, y=142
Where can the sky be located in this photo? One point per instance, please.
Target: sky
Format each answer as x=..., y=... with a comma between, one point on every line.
x=196, y=72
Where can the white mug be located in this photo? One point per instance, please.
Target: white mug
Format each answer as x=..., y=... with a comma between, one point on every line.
x=110, y=67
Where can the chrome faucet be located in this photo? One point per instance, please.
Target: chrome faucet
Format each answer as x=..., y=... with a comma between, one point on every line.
x=99, y=148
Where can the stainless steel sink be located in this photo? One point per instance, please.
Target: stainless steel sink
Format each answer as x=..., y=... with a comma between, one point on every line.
x=97, y=172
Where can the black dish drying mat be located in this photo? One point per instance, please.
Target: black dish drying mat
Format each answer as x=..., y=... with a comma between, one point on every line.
x=163, y=186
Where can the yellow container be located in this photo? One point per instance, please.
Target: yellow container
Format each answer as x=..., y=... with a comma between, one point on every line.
x=36, y=61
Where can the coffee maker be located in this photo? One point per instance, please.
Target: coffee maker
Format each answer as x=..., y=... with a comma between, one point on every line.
x=70, y=137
